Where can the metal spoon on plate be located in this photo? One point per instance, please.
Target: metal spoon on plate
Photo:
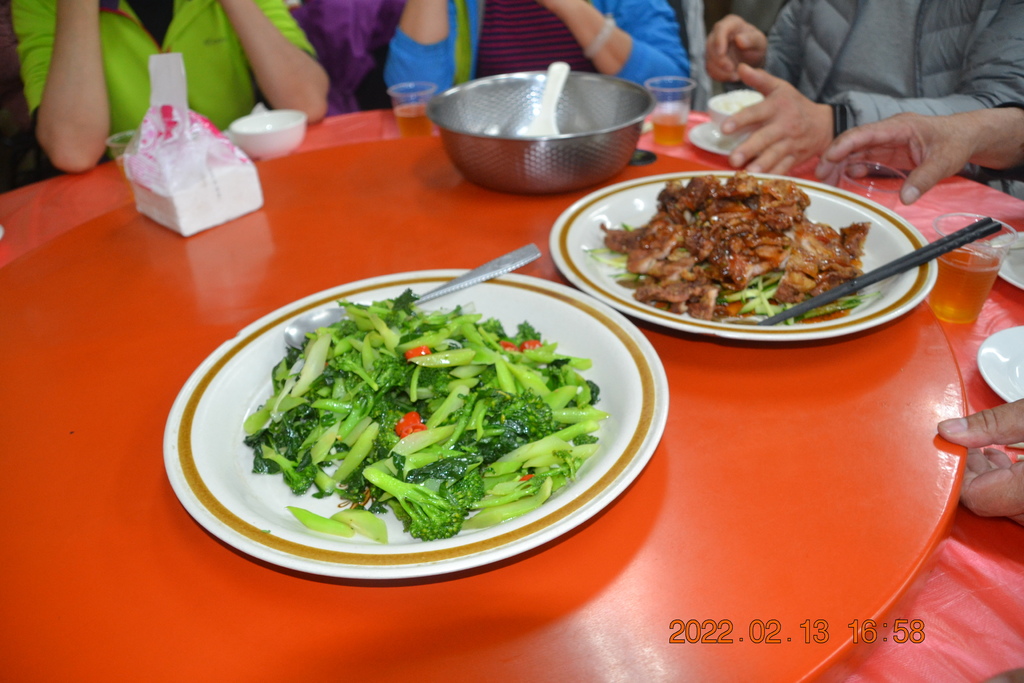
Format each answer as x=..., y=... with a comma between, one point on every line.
x=296, y=331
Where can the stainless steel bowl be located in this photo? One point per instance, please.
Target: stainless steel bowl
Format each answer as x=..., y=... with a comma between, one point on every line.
x=482, y=122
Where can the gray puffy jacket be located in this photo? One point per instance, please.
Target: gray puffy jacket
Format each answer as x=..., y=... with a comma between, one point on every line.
x=969, y=55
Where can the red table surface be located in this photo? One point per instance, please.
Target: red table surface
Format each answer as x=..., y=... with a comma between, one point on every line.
x=830, y=505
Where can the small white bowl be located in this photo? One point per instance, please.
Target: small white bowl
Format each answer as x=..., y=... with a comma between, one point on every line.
x=721, y=107
x=269, y=134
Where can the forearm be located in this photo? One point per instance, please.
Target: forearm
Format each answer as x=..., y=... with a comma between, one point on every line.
x=425, y=21
x=997, y=136
x=585, y=22
x=73, y=118
x=288, y=77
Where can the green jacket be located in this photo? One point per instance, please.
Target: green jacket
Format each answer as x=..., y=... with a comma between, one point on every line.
x=220, y=83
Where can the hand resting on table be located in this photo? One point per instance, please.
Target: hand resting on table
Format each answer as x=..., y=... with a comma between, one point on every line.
x=993, y=483
x=932, y=147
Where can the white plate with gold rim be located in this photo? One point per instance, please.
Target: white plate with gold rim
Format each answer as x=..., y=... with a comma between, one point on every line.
x=209, y=467
x=578, y=231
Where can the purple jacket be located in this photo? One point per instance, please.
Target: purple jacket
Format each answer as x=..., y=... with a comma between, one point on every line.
x=349, y=36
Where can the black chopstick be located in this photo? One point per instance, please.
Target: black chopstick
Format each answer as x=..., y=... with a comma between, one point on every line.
x=966, y=235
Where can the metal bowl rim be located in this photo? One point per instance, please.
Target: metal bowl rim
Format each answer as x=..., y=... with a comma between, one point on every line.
x=527, y=75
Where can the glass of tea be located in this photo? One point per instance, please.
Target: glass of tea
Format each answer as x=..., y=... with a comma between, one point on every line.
x=673, y=96
x=966, y=274
x=409, y=104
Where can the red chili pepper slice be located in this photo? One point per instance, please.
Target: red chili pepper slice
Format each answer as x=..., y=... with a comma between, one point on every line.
x=410, y=429
x=418, y=351
x=508, y=346
x=526, y=477
x=410, y=422
x=530, y=344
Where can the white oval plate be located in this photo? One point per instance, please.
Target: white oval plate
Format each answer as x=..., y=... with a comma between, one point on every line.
x=209, y=467
x=578, y=230
x=1001, y=363
x=1012, y=269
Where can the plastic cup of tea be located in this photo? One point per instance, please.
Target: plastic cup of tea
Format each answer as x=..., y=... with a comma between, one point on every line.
x=878, y=182
x=672, y=98
x=409, y=104
x=966, y=274
x=116, y=146
x=118, y=142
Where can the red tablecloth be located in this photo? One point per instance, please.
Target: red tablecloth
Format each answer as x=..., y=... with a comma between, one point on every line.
x=972, y=603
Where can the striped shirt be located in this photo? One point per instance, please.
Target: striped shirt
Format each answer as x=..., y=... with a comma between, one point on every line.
x=520, y=35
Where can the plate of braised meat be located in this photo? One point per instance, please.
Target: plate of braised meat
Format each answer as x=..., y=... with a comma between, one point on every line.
x=716, y=252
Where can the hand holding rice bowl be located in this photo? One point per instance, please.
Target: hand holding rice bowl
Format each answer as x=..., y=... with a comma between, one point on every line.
x=721, y=107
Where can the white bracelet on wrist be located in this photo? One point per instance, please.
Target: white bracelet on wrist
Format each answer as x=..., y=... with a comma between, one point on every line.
x=601, y=38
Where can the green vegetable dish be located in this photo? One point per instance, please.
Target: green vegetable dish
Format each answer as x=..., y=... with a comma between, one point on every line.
x=440, y=417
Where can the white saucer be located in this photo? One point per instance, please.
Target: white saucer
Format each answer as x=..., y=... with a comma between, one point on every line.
x=706, y=137
x=1001, y=362
x=1013, y=268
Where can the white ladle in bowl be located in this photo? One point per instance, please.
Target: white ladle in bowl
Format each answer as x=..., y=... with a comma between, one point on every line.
x=544, y=124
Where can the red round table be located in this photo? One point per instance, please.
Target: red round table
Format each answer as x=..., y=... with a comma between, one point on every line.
x=798, y=489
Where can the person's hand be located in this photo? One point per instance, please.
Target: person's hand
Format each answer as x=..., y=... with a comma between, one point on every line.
x=933, y=147
x=993, y=484
x=787, y=127
x=731, y=42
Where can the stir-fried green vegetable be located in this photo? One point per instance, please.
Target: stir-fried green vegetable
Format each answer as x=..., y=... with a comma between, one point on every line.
x=441, y=417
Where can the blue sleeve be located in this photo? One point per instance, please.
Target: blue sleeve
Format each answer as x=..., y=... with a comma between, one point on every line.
x=657, y=44
x=411, y=61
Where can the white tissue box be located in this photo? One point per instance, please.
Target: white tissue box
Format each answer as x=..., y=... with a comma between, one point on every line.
x=184, y=172
x=219, y=195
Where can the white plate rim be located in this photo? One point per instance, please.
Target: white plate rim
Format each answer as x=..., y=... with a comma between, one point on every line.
x=1008, y=272
x=701, y=136
x=419, y=559
x=993, y=357
x=574, y=265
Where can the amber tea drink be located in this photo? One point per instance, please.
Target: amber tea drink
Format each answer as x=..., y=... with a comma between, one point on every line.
x=966, y=274
x=412, y=120
x=409, y=104
x=672, y=95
